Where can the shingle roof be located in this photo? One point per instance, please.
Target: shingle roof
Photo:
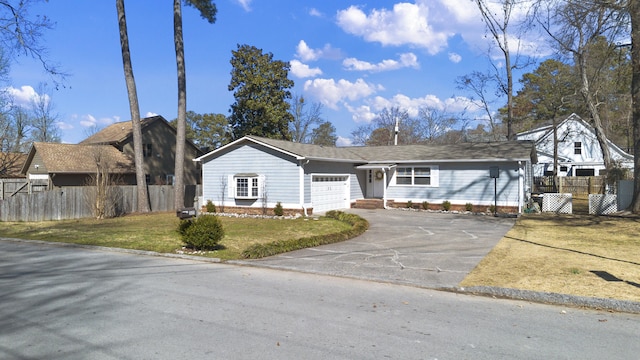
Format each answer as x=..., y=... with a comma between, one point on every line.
x=506, y=150
x=11, y=164
x=118, y=132
x=72, y=158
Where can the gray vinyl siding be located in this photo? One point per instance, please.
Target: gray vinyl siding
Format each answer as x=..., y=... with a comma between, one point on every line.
x=356, y=184
x=464, y=183
x=281, y=174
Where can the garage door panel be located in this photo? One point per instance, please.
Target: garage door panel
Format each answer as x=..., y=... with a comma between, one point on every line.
x=329, y=192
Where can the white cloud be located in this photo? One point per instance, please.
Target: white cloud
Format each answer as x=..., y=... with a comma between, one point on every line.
x=455, y=58
x=343, y=141
x=331, y=93
x=361, y=114
x=406, y=60
x=89, y=120
x=300, y=70
x=150, y=114
x=405, y=24
x=458, y=104
x=305, y=53
x=24, y=95
x=246, y=4
x=315, y=12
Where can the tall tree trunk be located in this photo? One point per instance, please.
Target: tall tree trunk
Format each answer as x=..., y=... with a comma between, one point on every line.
x=593, y=111
x=141, y=184
x=634, y=10
x=182, y=105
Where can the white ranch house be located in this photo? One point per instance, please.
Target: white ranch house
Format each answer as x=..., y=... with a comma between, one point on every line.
x=579, y=153
x=254, y=173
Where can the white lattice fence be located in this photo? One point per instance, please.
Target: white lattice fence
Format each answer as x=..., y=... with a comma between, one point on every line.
x=602, y=204
x=557, y=203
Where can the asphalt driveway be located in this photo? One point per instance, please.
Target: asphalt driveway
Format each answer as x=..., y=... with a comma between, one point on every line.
x=426, y=249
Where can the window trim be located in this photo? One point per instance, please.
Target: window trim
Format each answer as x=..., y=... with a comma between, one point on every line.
x=254, y=184
x=577, y=148
x=434, y=173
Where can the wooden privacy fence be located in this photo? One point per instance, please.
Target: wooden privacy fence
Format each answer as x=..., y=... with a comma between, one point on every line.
x=11, y=187
x=75, y=202
x=576, y=185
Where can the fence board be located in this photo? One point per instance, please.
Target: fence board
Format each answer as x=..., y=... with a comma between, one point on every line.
x=73, y=202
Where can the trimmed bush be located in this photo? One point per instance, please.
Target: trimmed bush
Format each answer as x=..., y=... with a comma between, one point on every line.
x=468, y=206
x=425, y=205
x=446, y=205
x=211, y=207
x=358, y=226
x=278, y=210
x=410, y=204
x=201, y=233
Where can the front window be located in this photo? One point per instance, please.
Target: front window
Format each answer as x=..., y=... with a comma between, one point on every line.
x=416, y=175
x=577, y=148
x=247, y=187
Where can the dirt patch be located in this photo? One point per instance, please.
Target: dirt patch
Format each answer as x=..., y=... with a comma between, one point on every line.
x=577, y=255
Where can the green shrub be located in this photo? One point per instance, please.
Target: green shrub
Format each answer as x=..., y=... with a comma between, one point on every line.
x=211, y=207
x=425, y=205
x=201, y=233
x=410, y=204
x=468, y=206
x=446, y=205
x=493, y=209
x=358, y=226
x=278, y=210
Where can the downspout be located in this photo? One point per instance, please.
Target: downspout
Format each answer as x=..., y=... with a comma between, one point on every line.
x=384, y=189
x=301, y=186
x=520, y=187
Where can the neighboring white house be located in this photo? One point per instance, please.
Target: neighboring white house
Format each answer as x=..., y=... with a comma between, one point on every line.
x=255, y=172
x=579, y=153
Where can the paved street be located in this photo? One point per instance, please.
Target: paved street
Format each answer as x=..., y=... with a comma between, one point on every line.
x=70, y=303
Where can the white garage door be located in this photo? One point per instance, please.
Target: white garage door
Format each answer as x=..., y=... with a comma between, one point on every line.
x=329, y=192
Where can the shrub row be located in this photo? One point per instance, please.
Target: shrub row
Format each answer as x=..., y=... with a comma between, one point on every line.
x=358, y=226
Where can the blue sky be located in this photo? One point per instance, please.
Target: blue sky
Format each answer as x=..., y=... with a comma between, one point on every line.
x=356, y=58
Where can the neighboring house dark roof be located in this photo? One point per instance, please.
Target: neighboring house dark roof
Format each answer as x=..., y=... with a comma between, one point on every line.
x=79, y=159
x=11, y=164
x=119, y=132
x=499, y=151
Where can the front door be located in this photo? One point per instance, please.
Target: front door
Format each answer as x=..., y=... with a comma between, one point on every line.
x=375, y=184
x=378, y=183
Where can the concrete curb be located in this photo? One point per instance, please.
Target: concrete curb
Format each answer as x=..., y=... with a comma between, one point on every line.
x=489, y=291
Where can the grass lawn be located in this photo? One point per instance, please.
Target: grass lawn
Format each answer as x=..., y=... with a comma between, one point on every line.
x=157, y=232
x=594, y=256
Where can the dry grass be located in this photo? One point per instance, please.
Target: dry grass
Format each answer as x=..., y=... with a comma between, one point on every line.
x=571, y=254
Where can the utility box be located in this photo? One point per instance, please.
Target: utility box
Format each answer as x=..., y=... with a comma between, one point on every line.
x=494, y=172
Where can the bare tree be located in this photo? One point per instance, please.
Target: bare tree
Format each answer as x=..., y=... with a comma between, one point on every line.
x=303, y=118
x=498, y=24
x=101, y=191
x=141, y=183
x=44, y=119
x=479, y=84
x=435, y=123
x=574, y=27
x=21, y=34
